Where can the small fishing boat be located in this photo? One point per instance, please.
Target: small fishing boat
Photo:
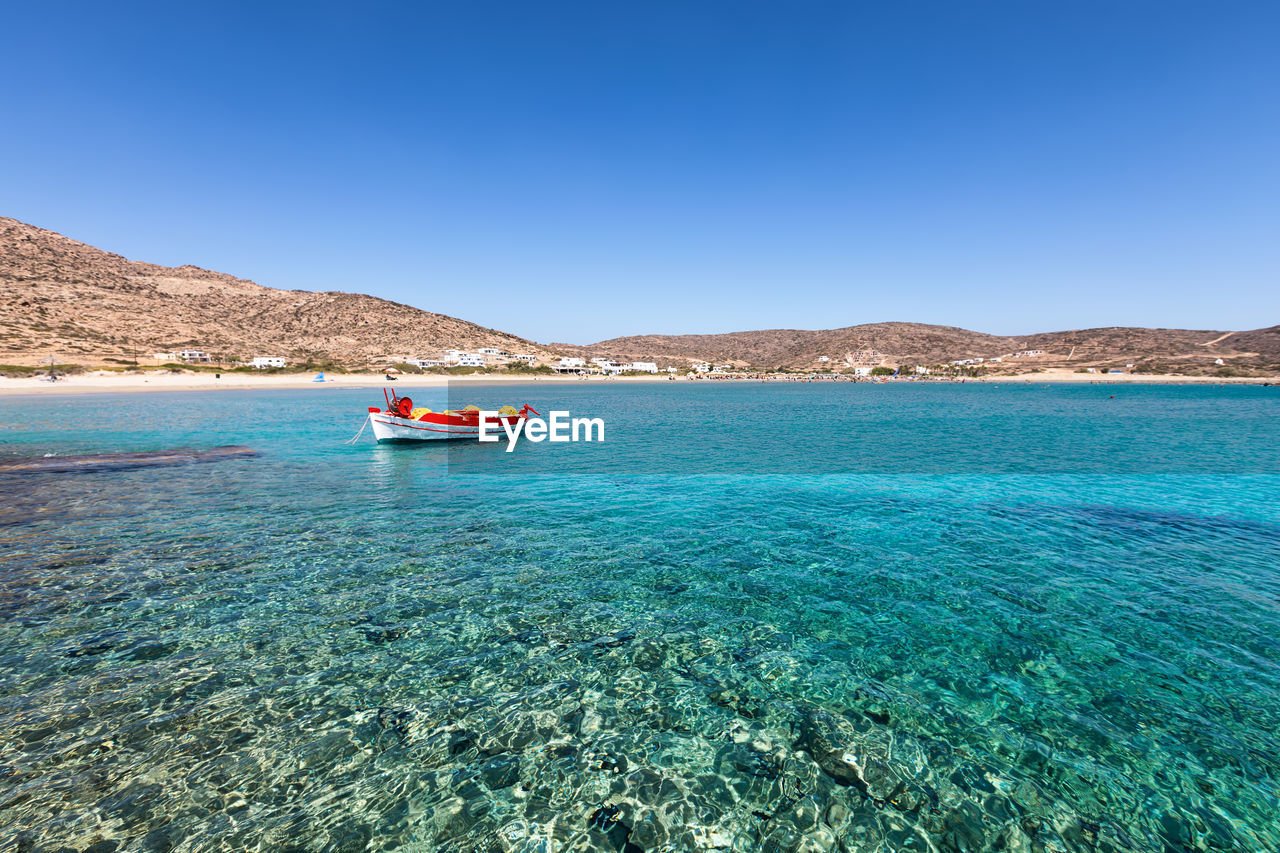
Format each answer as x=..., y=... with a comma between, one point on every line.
x=402, y=421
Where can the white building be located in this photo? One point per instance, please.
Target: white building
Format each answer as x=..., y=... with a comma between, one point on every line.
x=1028, y=353
x=427, y=362
x=470, y=359
x=701, y=366
x=528, y=359
x=454, y=354
x=262, y=362
x=862, y=371
x=824, y=358
x=193, y=355
x=642, y=366
x=569, y=363
x=1218, y=361
x=490, y=351
x=920, y=368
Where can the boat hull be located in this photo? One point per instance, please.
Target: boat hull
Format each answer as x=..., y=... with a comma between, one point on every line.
x=390, y=428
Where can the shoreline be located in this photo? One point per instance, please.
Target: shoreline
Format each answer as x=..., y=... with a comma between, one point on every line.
x=111, y=383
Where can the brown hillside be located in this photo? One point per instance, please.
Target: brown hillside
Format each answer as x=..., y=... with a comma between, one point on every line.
x=62, y=298
x=65, y=298
x=796, y=348
x=1182, y=350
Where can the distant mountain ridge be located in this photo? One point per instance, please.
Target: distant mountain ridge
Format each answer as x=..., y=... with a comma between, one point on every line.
x=916, y=343
x=62, y=297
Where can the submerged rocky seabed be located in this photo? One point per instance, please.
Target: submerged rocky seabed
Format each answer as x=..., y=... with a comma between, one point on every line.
x=227, y=657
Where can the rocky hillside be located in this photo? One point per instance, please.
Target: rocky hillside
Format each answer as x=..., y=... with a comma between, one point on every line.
x=1180, y=350
x=64, y=298
x=873, y=343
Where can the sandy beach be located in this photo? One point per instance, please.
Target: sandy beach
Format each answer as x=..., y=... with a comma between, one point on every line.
x=105, y=382
x=96, y=382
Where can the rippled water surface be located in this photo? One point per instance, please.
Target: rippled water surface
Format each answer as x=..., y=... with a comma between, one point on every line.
x=790, y=618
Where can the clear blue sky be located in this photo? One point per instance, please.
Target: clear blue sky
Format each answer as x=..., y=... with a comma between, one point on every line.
x=572, y=171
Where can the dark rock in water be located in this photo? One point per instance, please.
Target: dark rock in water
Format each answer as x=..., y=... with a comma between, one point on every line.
x=95, y=645
x=533, y=635
x=150, y=651
x=610, y=763
x=607, y=820
x=616, y=639
x=462, y=741
x=501, y=771
x=396, y=721
x=382, y=634
x=650, y=656
x=121, y=461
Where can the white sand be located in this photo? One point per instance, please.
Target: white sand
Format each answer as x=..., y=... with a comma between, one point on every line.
x=111, y=382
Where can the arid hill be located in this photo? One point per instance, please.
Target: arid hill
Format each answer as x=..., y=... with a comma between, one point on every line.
x=65, y=298
x=873, y=344
x=59, y=297
x=1180, y=350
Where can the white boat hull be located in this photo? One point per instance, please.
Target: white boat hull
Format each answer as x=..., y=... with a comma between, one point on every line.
x=391, y=428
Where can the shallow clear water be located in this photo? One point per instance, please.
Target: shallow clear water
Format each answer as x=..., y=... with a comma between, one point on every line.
x=757, y=617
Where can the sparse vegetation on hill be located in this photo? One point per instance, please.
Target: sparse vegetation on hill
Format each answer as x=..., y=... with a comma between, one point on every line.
x=62, y=298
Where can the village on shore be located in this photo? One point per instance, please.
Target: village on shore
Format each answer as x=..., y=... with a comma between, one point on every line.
x=197, y=369
x=859, y=364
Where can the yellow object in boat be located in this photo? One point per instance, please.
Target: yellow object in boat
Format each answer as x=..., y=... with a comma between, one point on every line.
x=419, y=412
x=471, y=409
x=508, y=410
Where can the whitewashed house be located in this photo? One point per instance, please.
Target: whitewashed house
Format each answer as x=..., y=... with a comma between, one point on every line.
x=571, y=364
x=527, y=359
x=642, y=366
x=824, y=358
x=701, y=367
x=262, y=362
x=490, y=351
x=470, y=359
x=194, y=355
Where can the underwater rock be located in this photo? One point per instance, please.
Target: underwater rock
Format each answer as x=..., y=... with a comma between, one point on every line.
x=382, y=634
x=121, y=461
x=616, y=639
x=501, y=771
x=650, y=656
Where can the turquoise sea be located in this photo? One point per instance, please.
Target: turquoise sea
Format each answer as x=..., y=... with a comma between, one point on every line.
x=796, y=617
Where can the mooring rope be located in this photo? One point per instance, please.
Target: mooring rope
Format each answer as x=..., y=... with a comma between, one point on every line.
x=356, y=437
